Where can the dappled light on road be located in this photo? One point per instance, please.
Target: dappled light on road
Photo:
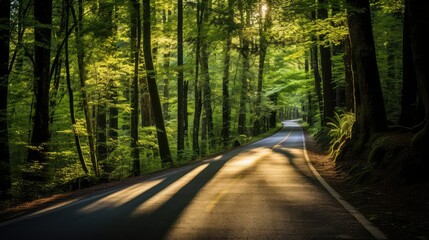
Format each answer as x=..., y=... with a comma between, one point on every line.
x=118, y=198
x=160, y=198
x=261, y=190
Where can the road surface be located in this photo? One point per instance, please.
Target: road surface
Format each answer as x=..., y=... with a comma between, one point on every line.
x=265, y=190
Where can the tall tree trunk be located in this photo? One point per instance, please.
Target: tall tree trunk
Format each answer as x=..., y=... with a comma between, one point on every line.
x=164, y=149
x=273, y=114
x=71, y=97
x=245, y=71
x=105, y=12
x=5, y=181
x=78, y=21
x=185, y=109
x=197, y=89
x=349, y=76
x=419, y=22
x=135, y=54
x=245, y=52
x=226, y=105
x=326, y=64
x=113, y=117
x=112, y=96
x=42, y=58
x=166, y=64
x=264, y=21
x=180, y=86
x=409, y=116
x=145, y=103
x=101, y=120
x=371, y=115
x=314, y=59
x=207, y=100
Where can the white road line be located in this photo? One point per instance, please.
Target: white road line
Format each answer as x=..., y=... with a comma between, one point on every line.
x=376, y=233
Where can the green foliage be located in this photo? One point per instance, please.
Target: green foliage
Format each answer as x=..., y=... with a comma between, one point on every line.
x=388, y=24
x=340, y=131
x=109, y=71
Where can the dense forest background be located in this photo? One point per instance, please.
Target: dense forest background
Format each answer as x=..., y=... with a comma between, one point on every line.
x=103, y=90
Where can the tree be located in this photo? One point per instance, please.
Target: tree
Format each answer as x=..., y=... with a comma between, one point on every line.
x=197, y=87
x=135, y=55
x=80, y=46
x=180, y=86
x=105, y=12
x=70, y=92
x=349, y=76
x=38, y=150
x=409, y=110
x=245, y=71
x=326, y=64
x=207, y=131
x=226, y=105
x=264, y=22
x=418, y=12
x=5, y=182
x=314, y=63
x=164, y=149
x=370, y=113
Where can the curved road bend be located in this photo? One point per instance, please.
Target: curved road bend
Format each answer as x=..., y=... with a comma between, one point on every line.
x=264, y=190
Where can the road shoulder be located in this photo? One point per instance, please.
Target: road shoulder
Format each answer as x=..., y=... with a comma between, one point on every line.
x=400, y=213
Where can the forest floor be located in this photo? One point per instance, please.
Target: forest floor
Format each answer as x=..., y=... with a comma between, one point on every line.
x=401, y=212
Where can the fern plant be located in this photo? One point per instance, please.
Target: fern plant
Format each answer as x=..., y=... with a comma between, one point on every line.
x=340, y=131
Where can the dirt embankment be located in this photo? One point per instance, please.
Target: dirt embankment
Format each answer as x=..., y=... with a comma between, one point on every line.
x=379, y=182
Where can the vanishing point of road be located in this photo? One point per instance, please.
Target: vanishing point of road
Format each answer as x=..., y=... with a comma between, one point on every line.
x=264, y=190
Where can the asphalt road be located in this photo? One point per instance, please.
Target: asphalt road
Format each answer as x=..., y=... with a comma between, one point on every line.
x=265, y=190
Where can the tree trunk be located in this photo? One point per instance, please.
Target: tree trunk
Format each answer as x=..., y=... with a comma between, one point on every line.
x=197, y=89
x=113, y=118
x=180, y=86
x=314, y=62
x=326, y=64
x=105, y=12
x=71, y=97
x=273, y=113
x=226, y=105
x=135, y=54
x=164, y=149
x=78, y=21
x=419, y=22
x=371, y=115
x=145, y=103
x=409, y=116
x=245, y=71
x=207, y=100
x=5, y=181
x=264, y=21
x=42, y=58
x=112, y=96
x=185, y=109
x=349, y=76
x=166, y=65
x=245, y=52
x=101, y=119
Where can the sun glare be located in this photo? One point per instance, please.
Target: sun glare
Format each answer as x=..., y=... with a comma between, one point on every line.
x=264, y=10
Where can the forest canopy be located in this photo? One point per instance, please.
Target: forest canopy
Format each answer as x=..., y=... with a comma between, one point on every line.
x=103, y=90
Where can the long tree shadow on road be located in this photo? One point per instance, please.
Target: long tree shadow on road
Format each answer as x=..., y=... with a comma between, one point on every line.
x=157, y=224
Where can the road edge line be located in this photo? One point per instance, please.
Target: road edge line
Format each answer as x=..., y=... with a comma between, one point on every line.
x=375, y=232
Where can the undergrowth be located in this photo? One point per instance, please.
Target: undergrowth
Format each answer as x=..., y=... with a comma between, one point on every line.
x=340, y=131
